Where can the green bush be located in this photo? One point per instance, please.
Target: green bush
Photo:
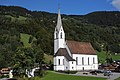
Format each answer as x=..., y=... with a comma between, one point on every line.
x=4, y=76
x=22, y=78
x=35, y=78
x=68, y=72
x=41, y=73
x=32, y=78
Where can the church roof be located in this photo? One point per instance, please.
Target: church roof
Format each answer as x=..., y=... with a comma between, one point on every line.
x=81, y=47
x=64, y=52
x=59, y=21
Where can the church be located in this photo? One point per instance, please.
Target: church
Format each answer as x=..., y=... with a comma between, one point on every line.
x=72, y=55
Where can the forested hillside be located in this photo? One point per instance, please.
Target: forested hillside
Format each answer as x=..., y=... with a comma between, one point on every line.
x=102, y=29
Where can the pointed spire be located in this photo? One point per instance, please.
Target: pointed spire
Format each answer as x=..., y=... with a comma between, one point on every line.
x=59, y=21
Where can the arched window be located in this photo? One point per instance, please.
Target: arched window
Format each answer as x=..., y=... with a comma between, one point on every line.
x=88, y=61
x=93, y=60
x=58, y=61
x=56, y=35
x=76, y=60
x=82, y=60
x=61, y=34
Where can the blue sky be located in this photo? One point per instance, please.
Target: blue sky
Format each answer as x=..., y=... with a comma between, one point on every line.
x=67, y=6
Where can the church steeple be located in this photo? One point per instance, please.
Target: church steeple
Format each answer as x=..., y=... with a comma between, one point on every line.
x=59, y=35
x=59, y=21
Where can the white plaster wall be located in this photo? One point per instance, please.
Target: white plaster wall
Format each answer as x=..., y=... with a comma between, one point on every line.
x=86, y=66
x=55, y=46
x=54, y=61
x=66, y=67
x=59, y=42
x=72, y=66
x=56, y=64
x=61, y=30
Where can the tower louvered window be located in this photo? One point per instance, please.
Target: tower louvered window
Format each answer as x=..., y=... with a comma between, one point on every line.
x=56, y=36
x=61, y=35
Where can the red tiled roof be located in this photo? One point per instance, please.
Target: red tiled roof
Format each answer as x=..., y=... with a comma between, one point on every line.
x=64, y=52
x=81, y=47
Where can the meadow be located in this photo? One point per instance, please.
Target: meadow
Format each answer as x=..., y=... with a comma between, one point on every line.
x=51, y=75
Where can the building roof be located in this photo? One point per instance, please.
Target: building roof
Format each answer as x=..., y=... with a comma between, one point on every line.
x=59, y=21
x=64, y=52
x=81, y=48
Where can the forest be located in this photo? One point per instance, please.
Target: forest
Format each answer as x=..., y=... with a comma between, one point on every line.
x=101, y=28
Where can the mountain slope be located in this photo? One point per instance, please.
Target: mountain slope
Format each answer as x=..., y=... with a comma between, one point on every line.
x=102, y=29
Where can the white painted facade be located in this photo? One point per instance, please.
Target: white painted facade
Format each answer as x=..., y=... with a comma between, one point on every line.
x=59, y=39
x=80, y=62
x=72, y=65
x=86, y=62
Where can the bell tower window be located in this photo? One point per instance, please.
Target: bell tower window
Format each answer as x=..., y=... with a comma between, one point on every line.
x=61, y=35
x=56, y=35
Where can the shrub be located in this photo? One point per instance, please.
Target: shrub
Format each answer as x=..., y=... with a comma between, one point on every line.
x=4, y=76
x=68, y=72
x=35, y=78
x=32, y=78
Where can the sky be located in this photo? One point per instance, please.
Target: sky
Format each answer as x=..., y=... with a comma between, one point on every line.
x=74, y=7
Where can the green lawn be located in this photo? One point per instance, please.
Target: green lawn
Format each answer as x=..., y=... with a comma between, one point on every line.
x=56, y=76
x=21, y=18
x=102, y=56
x=13, y=18
x=116, y=57
x=118, y=78
x=25, y=39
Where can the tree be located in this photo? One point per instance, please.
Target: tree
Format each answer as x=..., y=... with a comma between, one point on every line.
x=39, y=55
x=24, y=60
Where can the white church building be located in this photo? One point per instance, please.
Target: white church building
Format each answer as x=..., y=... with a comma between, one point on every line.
x=72, y=55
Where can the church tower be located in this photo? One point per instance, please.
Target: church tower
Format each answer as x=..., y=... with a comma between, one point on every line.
x=59, y=35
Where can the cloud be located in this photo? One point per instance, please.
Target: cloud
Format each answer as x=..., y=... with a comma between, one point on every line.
x=116, y=4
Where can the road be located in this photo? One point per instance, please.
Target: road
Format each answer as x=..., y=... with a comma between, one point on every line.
x=112, y=77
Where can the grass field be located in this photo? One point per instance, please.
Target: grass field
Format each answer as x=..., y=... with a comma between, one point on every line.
x=118, y=78
x=116, y=57
x=55, y=76
x=13, y=18
x=25, y=39
x=102, y=56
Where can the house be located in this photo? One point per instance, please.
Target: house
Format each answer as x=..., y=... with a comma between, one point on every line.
x=72, y=55
x=7, y=71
